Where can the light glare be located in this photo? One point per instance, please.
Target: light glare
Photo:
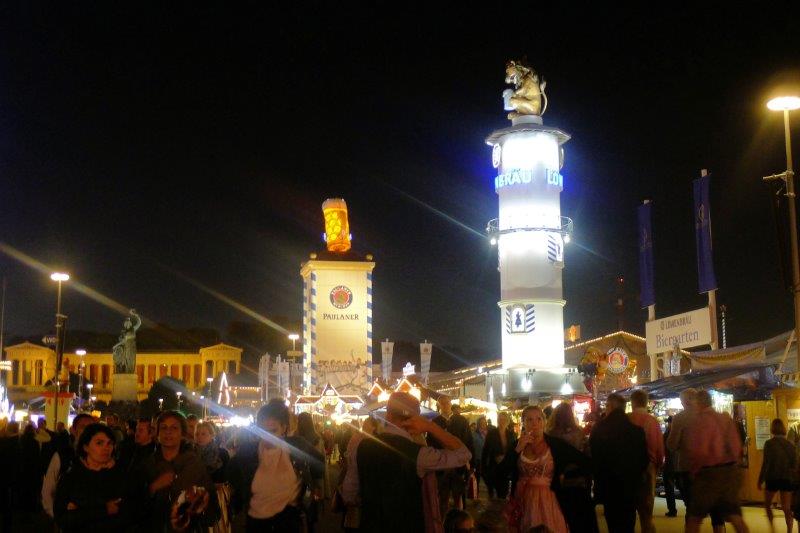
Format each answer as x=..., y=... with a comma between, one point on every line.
x=784, y=103
x=59, y=276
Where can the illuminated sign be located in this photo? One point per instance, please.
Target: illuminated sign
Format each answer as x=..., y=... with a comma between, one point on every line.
x=518, y=176
x=341, y=297
x=520, y=318
x=617, y=361
x=337, y=228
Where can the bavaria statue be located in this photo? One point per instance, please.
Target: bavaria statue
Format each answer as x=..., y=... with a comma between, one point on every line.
x=125, y=350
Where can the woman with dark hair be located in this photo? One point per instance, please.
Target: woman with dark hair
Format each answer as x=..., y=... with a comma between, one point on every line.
x=271, y=476
x=562, y=424
x=538, y=464
x=576, y=482
x=214, y=456
x=91, y=494
x=779, y=472
x=175, y=486
x=305, y=429
x=499, y=442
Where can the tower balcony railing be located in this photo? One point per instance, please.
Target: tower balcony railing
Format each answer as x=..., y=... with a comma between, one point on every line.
x=564, y=228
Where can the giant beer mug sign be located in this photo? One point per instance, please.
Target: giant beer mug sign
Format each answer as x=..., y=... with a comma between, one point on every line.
x=337, y=228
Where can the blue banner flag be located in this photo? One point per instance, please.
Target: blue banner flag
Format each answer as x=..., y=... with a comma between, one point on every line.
x=706, y=279
x=646, y=277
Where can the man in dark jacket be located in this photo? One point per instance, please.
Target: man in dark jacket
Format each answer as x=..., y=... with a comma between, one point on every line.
x=393, y=468
x=619, y=453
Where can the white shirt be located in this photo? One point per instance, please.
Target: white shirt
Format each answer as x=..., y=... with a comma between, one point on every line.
x=275, y=483
x=49, y=483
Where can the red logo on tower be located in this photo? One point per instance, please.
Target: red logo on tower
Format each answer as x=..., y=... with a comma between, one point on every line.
x=341, y=297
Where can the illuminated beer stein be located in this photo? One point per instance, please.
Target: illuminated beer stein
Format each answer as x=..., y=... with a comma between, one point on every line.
x=337, y=228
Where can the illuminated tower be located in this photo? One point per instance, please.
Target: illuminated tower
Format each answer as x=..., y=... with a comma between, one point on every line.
x=337, y=310
x=530, y=232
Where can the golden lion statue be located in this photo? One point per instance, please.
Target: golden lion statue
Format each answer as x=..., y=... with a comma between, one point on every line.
x=528, y=96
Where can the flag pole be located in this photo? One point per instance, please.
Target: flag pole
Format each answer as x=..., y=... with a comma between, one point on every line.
x=712, y=297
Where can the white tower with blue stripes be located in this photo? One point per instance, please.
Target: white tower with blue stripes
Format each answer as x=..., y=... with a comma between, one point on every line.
x=337, y=314
x=530, y=234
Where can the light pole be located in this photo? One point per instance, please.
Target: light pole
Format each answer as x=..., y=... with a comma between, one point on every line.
x=203, y=399
x=90, y=386
x=80, y=353
x=160, y=404
x=786, y=104
x=178, y=394
x=293, y=337
x=58, y=277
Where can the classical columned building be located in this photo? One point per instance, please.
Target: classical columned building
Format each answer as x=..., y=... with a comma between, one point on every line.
x=33, y=366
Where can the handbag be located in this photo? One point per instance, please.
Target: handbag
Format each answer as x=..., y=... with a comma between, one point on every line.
x=337, y=502
x=472, y=487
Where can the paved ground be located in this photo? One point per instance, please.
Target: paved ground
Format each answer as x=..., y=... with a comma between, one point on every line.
x=754, y=517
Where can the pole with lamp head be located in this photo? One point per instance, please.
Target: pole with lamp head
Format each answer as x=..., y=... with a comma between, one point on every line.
x=81, y=369
x=58, y=277
x=90, y=386
x=786, y=104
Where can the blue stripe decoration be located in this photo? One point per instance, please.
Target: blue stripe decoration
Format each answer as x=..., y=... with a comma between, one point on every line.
x=369, y=334
x=369, y=305
x=313, y=306
x=369, y=348
x=313, y=276
x=369, y=290
x=369, y=276
x=313, y=291
x=369, y=319
x=313, y=335
x=313, y=321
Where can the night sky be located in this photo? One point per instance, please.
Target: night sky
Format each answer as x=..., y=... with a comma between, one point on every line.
x=149, y=146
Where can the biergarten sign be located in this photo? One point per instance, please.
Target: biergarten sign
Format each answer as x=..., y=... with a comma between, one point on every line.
x=687, y=330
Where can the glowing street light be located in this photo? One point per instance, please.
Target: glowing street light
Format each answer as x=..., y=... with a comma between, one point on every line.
x=786, y=104
x=80, y=352
x=179, y=394
x=293, y=337
x=58, y=277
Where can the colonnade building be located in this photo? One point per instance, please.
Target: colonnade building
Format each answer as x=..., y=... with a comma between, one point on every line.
x=33, y=366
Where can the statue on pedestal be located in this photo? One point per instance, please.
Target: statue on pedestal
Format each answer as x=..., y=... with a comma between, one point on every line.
x=124, y=351
x=527, y=97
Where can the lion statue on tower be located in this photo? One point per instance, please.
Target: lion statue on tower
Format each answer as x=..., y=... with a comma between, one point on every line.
x=527, y=97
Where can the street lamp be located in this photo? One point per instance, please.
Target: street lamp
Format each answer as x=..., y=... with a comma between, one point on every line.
x=293, y=337
x=160, y=403
x=786, y=104
x=90, y=386
x=80, y=353
x=178, y=394
x=58, y=277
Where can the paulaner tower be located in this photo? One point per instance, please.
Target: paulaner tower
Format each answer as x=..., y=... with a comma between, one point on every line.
x=530, y=232
x=337, y=310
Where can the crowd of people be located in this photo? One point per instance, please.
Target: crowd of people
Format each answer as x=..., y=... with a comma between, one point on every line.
x=398, y=471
